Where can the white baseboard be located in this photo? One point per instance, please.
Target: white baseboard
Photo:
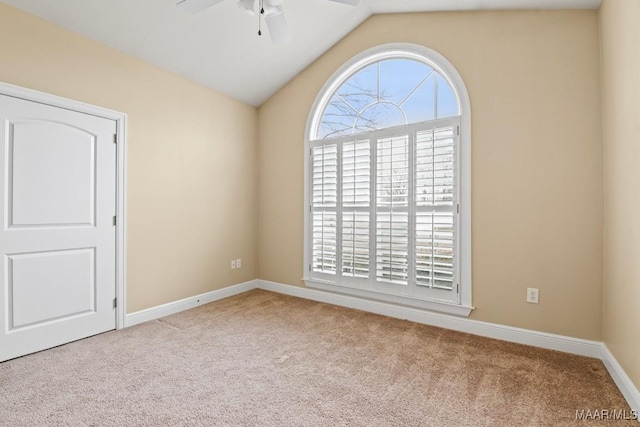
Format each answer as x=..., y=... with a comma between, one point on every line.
x=622, y=380
x=491, y=330
x=174, y=307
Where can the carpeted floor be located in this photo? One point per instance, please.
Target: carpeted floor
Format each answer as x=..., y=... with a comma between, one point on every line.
x=263, y=359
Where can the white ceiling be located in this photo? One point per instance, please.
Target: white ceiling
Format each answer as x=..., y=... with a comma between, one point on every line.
x=220, y=48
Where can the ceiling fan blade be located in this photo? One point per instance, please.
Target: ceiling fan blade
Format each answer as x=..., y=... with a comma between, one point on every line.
x=278, y=28
x=350, y=2
x=196, y=6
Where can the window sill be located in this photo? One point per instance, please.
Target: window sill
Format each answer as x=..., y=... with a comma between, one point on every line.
x=429, y=305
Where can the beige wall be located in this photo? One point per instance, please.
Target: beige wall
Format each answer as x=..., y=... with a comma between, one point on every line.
x=192, y=157
x=534, y=84
x=533, y=79
x=620, y=35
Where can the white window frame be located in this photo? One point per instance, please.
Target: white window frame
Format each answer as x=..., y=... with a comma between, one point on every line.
x=433, y=59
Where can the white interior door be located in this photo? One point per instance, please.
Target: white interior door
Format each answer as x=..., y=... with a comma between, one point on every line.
x=57, y=238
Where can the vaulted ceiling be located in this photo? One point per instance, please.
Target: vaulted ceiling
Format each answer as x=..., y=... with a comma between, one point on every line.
x=220, y=48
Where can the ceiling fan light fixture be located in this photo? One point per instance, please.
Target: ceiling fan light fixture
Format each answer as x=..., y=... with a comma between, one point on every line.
x=247, y=6
x=270, y=9
x=278, y=28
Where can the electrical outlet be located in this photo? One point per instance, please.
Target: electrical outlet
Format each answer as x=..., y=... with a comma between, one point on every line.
x=233, y=264
x=532, y=295
x=239, y=263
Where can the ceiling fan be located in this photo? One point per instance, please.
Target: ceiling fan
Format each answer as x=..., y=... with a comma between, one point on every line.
x=271, y=10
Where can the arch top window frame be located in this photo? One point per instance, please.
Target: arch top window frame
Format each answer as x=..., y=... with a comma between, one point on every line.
x=440, y=65
x=406, y=51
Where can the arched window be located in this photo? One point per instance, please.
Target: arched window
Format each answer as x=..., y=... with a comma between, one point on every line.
x=387, y=189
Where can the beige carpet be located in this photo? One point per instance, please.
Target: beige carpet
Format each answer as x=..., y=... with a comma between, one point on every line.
x=262, y=359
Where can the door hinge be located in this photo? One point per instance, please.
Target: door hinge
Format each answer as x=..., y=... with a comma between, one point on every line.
x=458, y=208
x=115, y=138
x=115, y=303
x=309, y=267
x=458, y=130
x=115, y=220
x=457, y=288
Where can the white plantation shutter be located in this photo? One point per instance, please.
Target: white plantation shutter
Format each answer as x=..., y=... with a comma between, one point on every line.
x=325, y=247
x=325, y=176
x=435, y=167
x=325, y=204
x=393, y=172
x=355, y=244
x=356, y=202
x=392, y=203
x=392, y=241
x=384, y=211
x=356, y=174
x=435, y=192
x=434, y=250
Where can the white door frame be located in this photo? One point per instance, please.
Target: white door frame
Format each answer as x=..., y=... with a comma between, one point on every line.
x=121, y=187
